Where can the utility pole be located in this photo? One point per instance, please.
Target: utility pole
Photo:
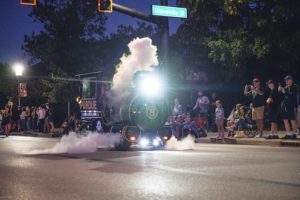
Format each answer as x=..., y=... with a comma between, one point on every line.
x=165, y=49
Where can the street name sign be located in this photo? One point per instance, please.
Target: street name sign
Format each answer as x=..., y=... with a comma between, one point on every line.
x=167, y=11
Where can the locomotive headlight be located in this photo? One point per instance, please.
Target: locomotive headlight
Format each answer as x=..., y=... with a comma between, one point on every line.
x=144, y=142
x=151, y=86
x=155, y=142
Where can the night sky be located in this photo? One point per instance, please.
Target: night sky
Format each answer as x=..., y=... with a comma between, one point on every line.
x=15, y=23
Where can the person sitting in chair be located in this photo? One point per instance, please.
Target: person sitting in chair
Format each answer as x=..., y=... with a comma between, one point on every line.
x=239, y=123
x=233, y=117
x=190, y=127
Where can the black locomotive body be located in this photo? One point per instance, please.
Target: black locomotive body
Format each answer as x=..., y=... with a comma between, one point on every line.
x=139, y=117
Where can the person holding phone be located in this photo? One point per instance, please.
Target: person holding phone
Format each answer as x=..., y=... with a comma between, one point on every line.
x=289, y=93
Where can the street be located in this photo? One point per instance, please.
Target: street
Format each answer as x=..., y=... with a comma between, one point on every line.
x=210, y=171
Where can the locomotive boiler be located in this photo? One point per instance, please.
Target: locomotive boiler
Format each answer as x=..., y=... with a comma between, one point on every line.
x=139, y=114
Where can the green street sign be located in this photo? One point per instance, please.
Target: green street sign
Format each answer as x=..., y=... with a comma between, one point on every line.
x=167, y=11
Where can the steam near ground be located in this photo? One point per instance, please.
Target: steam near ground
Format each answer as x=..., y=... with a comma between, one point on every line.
x=72, y=143
x=185, y=144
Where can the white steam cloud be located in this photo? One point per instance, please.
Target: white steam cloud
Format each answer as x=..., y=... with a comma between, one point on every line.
x=143, y=56
x=73, y=144
x=185, y=144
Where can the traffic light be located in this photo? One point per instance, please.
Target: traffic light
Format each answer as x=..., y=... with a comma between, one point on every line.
x=105, y=5
x=28, y=2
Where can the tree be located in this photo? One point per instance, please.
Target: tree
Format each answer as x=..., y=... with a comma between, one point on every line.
x=9, y=83
x=234, y=38
x=71, y=43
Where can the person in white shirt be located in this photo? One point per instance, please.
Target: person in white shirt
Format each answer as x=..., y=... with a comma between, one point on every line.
x=41, y=113
x=177, y=108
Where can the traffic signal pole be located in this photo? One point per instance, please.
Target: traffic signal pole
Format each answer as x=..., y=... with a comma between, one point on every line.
x=165, y=49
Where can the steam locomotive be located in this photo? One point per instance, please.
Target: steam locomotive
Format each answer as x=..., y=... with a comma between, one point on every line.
x=139, y=115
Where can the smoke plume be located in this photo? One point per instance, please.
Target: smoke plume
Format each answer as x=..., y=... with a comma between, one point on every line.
x=185, y=144
x=143, y=56
x=73, y=144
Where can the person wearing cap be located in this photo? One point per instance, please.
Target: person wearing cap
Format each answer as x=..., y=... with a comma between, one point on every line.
x=289, y=93
x=273, y=102
x=258, y=102
x=202, y=103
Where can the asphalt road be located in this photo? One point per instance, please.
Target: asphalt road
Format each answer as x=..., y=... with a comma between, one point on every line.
x=211, y=171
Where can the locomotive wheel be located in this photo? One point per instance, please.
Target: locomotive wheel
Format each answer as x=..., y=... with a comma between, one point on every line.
x=84, y=131
x=123, y=146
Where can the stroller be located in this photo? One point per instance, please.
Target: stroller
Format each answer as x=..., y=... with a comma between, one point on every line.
x=200, y=123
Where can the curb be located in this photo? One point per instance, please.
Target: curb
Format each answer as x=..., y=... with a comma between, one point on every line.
x=34, y=135
x=250, y=141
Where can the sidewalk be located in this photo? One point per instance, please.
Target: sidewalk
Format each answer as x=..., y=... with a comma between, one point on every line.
x=251, y=141
x=34, y=134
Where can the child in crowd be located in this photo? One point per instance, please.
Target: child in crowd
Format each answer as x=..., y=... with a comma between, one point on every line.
x=170, y=121
x=190, y=127
x=219, y=118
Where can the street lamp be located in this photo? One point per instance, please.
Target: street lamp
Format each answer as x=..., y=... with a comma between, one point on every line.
x=19, y=69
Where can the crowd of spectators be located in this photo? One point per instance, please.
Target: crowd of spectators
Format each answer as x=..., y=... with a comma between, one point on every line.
x=252, y=117
x=37, y=119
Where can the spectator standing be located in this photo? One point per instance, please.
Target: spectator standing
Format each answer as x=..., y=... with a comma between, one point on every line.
x=27, y=118
x=273, y=102
x=22, y=117
x=51, y=118
x=289, y=93
x=38, y=116
x=202, y=103
x=219, y=118
x=41, y=113
x=19, y=121
x=177, y=108
x=46, y=124
x=34, y=119
x=6, y=121
x=257, y=94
